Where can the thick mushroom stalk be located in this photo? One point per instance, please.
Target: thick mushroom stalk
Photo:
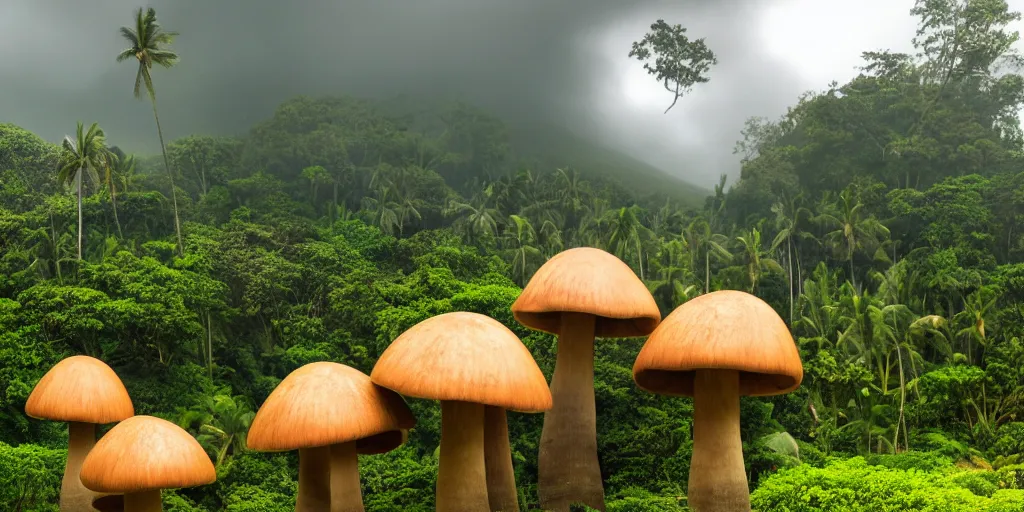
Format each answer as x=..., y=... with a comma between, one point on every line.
x=74, y=495
x=477, y=368
x=577, y=295
x=716, y=348
x=330, y=413
x=501, y=477
x=718, y=479
x=314, y=480
x=568, y=468
x=145, y=501
x=346, y=494
x=461, y=472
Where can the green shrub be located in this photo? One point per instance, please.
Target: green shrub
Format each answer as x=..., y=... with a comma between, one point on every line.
x=924, y=461
x=853, y=485
x=30, y=477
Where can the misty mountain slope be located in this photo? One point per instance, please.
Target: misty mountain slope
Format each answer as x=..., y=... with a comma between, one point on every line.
x=545, y=146
x=552, y=146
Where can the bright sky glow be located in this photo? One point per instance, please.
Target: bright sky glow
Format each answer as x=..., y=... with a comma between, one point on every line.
x=812, y=42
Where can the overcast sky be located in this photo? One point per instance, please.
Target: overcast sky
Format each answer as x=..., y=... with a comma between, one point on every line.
x=562, y=61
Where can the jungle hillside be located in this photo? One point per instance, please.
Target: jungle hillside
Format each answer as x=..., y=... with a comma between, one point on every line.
x=882, y=219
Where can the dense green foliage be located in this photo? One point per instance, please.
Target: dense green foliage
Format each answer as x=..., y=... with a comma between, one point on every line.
x=881, y=218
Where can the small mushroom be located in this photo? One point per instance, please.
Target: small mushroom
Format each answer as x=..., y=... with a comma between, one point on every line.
x=142, y=455
x=716, y=348
x=467, y=361
x=330, y=413
x=577, y=295
x=84, y=392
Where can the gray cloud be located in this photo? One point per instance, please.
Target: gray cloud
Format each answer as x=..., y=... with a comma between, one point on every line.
x=551, y=60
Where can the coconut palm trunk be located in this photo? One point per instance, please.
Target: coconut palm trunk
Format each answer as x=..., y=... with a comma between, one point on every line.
x=170, y=177
x=78, y=185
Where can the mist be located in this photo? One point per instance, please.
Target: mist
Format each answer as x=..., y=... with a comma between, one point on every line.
x=533, y=61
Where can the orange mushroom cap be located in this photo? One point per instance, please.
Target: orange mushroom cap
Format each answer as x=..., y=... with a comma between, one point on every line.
x=325, y=403
x=588, y=280
x=726, y=329
x=143, y=453
x=464, y=357
x=80, y=389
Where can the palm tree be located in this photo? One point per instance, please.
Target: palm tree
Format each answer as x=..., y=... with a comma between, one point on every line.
x=851, y=230
x=85, y=153
x=627, y=234
x=520, y=236
x=787, y=218
x=117, y=167
x=758, y=259
x=698, y=238
x=384, y=209
x=977, y=307
x=149, y=46
x=475, y=219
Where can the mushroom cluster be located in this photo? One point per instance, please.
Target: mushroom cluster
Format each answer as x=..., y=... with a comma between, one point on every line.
x=477, y=368
x=129, y=465
x=330, y=412
x=714, y=348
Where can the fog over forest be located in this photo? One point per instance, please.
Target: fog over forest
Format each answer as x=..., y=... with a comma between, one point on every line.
x=534, y=61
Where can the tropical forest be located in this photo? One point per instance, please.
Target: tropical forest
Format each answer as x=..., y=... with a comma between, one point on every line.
x=359, y=302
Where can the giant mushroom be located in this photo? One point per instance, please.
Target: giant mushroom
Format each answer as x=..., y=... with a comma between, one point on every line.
x=716, y=348
x=84, y=392
x=330, y=412
x=477, y=368
x=142, y=455
x=578, y=295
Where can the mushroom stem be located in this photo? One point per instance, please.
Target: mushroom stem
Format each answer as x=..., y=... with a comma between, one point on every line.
x=74, y=495
x=145, y=501
x=346, y=495
x=501, y=478
x=568, y=470
x=314, y=479
x=462, y=474
x=718, y=480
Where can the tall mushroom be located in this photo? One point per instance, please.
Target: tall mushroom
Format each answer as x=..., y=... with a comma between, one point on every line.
x=578, y=295
x=142, y=455
x=716, y=348
x=467, y=361
x=330, y=413
x=84, y=392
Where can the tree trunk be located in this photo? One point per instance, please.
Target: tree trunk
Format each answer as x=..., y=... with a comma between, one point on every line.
x=56, y=251
x=789, y=244
x=640, y=259
x=568, y=468
x=334, y=206
x=853, y=279
x=903, y=400
x=78, y=182
x=209, y=345
x=707, y=269
x=113, y=203
x=170, y=176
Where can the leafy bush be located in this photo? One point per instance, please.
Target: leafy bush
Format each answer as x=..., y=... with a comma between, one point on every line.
x=853, y=485
x=30, y=477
